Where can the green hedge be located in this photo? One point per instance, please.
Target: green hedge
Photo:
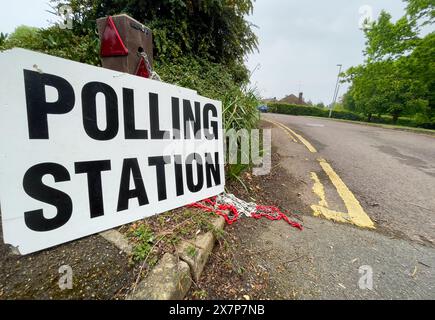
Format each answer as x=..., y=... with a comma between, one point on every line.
x=298, y=110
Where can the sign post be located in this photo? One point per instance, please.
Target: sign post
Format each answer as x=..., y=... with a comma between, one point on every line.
x=85, y=149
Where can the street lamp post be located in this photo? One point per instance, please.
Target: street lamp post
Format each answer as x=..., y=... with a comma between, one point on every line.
x=337, y=87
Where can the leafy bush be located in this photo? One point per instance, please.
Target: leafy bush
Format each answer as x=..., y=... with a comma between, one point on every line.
x=296, y=110
x=23, y=36
x=57, y=42
x=144, y=237
x=215, y=81
x=346, y=115
x=217, y=31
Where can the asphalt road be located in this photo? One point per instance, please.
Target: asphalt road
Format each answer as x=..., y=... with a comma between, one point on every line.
x=391, y=174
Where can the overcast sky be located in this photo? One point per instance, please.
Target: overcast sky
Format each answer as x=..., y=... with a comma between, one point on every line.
x=301, y=42
x=27, y=12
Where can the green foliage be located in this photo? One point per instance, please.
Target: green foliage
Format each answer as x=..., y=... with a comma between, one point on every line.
x=421, y=10
x=299, y=110
x=23, y=36
x=348, y=102
x=419, y=120
x=217, y=82
x=386, y=87
x=215, y=30
x=200, y=294
x=234, y=171
x=296, y=110
x=388, y=40
x=191, y=251
x=144, y=238
x=56, y=42
x=3, y=37
x=421, y=66
x=398, y=75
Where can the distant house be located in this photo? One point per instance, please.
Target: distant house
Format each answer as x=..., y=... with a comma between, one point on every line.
x=267, y=100
x=292, y=99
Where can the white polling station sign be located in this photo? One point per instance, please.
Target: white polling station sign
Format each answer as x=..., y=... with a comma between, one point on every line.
x=85, y=149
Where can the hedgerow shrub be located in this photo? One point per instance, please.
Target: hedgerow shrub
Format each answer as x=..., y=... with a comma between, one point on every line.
x=57, y=42
x=298, y=110
x=213, y=80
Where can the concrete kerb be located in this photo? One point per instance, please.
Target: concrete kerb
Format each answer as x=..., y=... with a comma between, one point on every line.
x=172, y=277
x=195, y=253
x=118, y=239
x=169, y=280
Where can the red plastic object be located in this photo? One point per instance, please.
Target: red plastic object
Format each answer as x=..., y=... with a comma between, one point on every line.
x=111, y=42
x=141, y=69
x=270, y=212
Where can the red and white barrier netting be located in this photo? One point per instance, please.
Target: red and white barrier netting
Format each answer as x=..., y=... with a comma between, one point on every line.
x=231, y=208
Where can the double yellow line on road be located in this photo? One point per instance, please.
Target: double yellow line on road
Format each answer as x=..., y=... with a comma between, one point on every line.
x=355, y=213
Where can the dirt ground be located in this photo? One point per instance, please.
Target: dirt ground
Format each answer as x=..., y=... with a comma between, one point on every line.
x=232, y=272
x=100, y=271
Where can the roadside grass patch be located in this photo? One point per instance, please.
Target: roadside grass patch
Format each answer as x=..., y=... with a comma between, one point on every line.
x=191, y=251
x=200, y=294
x=143, y=238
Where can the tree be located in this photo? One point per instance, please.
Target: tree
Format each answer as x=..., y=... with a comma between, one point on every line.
x=215, y=30
x=388, y=40
x=421, y=65
x=23, y=34
x=349, y=101
x=398, y=74
x=365, y=90
x=421, y=10
x=385, y=87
